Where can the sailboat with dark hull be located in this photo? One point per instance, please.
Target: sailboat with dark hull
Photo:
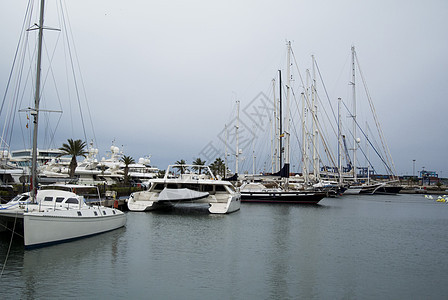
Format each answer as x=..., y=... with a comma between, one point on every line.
x=388, y=189
x=257, y=192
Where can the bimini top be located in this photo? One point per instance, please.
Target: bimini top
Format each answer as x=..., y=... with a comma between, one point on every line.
x=191, y=172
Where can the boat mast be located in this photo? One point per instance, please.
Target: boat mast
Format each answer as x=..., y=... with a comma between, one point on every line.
x=237, y=138
x=35, y=110
x=275, y=135
x=280, y=158
x=304, y=141
x=339, y=142
x=353, y=83
x=314, y=125
x=225, y=154
x=288, y=88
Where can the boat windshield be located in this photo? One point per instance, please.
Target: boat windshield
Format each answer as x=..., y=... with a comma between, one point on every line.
x=20, y=198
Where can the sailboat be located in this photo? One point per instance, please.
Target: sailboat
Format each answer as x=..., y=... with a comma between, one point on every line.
x=54, y=215
x=281, y=193
x=368, y=187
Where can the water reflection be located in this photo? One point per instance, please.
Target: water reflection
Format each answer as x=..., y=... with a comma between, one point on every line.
x=343, y=248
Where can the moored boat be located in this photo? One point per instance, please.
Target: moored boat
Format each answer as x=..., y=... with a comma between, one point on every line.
x=388, y=189
x=189, y=187
x=257, y=192
x=53, y=215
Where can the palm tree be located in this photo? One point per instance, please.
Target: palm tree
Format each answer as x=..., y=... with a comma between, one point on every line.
x=127, y=160
x=218, y=167
x=181, y=168
x=198, y=162
x=74, y=148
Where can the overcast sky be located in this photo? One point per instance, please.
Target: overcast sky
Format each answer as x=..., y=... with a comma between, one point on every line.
x=162, y=77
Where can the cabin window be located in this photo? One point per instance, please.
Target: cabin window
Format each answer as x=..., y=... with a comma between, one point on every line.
x=171, y=186
x=158, y=187
x=59, y=199
x=207, y=188
x=48, y=199
x=24, y=198
x=79, y=213
x=114, y=212
x=95, y=213
x=20, y=198
x=104, y=212
x=220, y=188
x=72, y=200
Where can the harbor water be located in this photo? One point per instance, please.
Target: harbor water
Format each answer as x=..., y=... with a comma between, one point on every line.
x=352, y=247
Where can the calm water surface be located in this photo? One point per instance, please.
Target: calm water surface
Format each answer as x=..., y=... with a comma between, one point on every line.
x=354, y=247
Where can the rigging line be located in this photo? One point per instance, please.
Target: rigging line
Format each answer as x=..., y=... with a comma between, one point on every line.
x=372, y=108
x=9, y=247
x=325, y=89
x=69, y=28
x=367, y=138
x=319, y=128
x=321, y=102
x=15, y=57
x=27, y=14
x=296, y=135
x=326, y=114
x=16, y=95
x=305, y=158
x=74, y=79
x=360, y=148
x=50, y=71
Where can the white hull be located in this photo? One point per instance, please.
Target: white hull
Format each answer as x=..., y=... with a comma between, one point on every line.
x=353, y=191
x=42, y=228
x=232, y=205
x=147, y=201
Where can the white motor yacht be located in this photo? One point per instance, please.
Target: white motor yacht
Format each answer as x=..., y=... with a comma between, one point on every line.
x=191, y=186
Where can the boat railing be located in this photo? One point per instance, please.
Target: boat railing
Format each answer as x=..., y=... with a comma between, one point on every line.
x=190, y=171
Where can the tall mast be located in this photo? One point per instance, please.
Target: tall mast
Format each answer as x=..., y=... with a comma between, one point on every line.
x=237, y=138
x=314, y=125
x=339, y=142
x=304, y=141
x=275, y=135
x=280, y=158
x=225, y=154
x=288, y=91
x=35, y=111
x=271, y=132
x=354, y=114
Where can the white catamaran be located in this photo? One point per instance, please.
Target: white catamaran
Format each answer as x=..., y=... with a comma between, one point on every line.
x=189, y=187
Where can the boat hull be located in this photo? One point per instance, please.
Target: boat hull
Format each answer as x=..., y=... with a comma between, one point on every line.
x=43, y=228
x=148, y=201
x=283, y=197
x=352, y=191
x=388, y=190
